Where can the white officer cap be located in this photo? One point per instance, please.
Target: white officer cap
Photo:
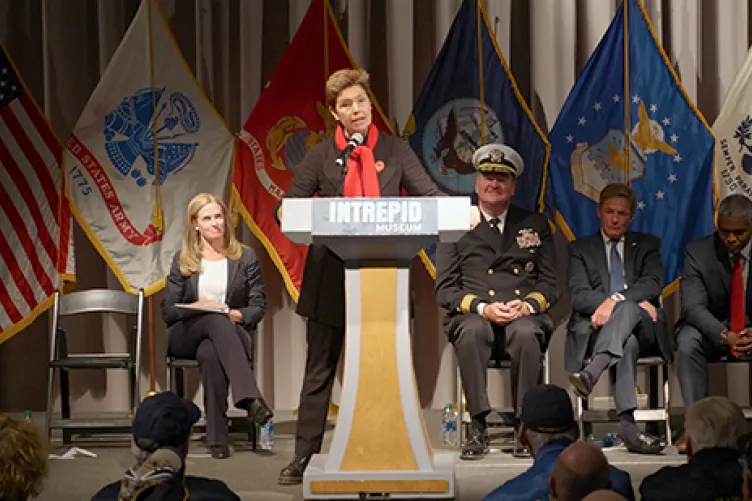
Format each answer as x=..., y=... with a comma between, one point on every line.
x=498, y=158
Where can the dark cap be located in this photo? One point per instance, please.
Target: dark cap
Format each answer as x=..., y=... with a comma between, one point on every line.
x=498, y=158
x=547, y=409
x=162, y=420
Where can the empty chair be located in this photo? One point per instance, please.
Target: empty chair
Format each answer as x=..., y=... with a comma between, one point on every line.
x=62, y=362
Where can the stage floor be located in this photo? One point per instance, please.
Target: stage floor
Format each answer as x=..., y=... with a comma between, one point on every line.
x=253, y=476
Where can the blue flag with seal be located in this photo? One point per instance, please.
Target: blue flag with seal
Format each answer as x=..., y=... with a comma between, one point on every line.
x=666, y=153
x=471, y=99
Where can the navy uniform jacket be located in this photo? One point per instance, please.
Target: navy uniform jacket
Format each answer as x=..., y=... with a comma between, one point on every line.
x=532, y=485
x=477, y=268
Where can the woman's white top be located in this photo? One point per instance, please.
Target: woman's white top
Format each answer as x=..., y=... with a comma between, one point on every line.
x=212, y=283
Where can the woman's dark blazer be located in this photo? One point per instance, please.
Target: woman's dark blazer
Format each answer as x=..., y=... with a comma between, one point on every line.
x=245, y=290
x=322, y=294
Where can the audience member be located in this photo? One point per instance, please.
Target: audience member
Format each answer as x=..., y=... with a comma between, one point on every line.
x=713, y=427
x=23, y=460
x=161, y=436
x=603, y=495
x=548, y=427
x=581, y=469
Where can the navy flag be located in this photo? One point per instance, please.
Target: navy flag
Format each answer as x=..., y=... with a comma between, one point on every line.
x=629, y=120
x=470, y=99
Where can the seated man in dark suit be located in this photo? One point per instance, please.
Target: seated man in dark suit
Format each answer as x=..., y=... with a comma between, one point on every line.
x=615, y=284
x=715, y=305
x=497, y=281
x=713, y=472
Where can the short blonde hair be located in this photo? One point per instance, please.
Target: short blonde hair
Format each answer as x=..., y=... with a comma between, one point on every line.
x=23, y=456
x=342, y=79
x=190, y=253
x=714, y=422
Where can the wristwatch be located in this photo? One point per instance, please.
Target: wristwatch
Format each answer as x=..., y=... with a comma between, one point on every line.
x=616, y=297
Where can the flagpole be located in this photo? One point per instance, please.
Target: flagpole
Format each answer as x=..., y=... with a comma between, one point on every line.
x=47, y=97
x=481, y=84
x=627, y=118
x=158, y=220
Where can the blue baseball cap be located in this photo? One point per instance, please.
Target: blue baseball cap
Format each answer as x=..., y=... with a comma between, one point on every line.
x=162, y=420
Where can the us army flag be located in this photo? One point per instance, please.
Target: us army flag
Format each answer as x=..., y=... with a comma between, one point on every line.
x=733, y=136
x=130, y=201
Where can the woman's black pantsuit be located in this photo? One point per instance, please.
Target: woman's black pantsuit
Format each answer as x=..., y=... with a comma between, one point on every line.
x=222, y=348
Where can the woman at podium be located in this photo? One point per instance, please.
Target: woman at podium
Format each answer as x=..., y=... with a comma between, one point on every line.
x=358, y=161
x=214, y=299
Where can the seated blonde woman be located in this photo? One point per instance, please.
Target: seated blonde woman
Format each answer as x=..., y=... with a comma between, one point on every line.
x=23, y=460
x=213, y=269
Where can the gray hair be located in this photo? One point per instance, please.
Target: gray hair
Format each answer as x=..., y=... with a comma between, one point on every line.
x=714, y=422
x=736, y=206
x=537, y=439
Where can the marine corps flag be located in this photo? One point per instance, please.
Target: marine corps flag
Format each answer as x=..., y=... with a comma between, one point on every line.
x=147, y=141
x=629, y=120
x=290, y=117
x=733, y=133
x=471, y=99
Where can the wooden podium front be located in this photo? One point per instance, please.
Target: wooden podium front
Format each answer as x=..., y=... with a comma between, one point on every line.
x=380, y=444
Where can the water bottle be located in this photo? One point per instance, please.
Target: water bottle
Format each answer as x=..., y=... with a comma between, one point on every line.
x=27, y=416
x=266, y=438
x=449, y=426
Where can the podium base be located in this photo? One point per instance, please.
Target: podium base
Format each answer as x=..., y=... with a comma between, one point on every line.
x=414, y=484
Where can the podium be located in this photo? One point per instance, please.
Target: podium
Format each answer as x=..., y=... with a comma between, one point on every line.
x=380, y=447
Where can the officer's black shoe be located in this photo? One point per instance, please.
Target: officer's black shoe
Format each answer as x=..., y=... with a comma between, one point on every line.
x=476, y=445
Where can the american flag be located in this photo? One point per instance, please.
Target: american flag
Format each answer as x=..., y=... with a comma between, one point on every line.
x=36, y=244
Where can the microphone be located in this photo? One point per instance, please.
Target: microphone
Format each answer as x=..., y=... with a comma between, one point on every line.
x=355, y=141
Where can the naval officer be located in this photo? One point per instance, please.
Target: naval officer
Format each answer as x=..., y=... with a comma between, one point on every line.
x=496, y=284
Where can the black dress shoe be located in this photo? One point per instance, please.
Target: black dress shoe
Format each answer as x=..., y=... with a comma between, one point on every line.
x=476, y=445
x=292, y=474
x=259, y=412
x=582, y=384
x=219, y=451
x=646, y=444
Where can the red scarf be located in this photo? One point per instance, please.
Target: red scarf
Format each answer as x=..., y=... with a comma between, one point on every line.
x=361, y=179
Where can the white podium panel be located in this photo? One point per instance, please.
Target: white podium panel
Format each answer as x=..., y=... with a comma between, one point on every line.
x=380, y=443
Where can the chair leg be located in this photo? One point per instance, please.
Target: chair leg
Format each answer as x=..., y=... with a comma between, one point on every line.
x=253, y=435
x=168, y=377
x=581, y=416
x=653, y=386
x=179, y=382
x=50, y=402
x=460, y=411
x=65, y=394
x=546, y=369
x=667, y=405
x=132, y=388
